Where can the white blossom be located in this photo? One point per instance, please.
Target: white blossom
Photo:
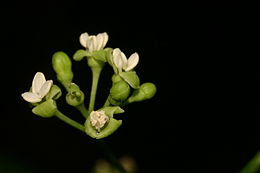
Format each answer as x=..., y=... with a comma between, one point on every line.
x=98, y=119
x=93, y=42
x=122, y=62
x=40, y=88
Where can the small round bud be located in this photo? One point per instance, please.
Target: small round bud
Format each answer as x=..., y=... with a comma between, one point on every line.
x=146, y=91
x=75, y=96
x=120, y=91
x=62, y=66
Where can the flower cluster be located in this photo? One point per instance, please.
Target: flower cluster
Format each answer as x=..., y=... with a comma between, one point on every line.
x=125, y=88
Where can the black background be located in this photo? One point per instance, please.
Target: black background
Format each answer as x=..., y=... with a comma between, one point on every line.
x=202, y=118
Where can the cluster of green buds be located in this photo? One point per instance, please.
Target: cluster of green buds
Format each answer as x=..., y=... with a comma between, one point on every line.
x=125, y=87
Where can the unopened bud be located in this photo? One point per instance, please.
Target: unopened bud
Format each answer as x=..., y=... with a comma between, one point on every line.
x=146, y=91
x=62, y=66
x=120, y=91
x=74, y=96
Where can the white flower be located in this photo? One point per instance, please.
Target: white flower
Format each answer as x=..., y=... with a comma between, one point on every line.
x=93, y=42
x=122, y=62
x=40, y=88
x=98, y=119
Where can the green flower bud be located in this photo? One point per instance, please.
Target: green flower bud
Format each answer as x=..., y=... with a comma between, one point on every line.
x=75, y=96
x=46, y=109
x=62, y=66
x=146, y=91
x=120, y=91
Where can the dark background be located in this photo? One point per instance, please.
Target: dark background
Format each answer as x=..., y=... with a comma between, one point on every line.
x=202, y=118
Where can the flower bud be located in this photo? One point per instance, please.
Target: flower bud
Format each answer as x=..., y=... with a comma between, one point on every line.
x=119, y=91
x=62, y=66
x=75, y=96
x=46, y=109
x=146, y=91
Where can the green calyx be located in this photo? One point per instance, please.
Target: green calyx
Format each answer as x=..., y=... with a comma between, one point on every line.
x=54, y=93
x=111, y=126
x=45, y=109
x=131, y=78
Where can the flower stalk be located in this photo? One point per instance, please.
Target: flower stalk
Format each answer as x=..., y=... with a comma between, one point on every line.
x=69, y=121
x=95, y=78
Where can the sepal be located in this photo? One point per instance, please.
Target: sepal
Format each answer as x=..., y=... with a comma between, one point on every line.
x=146, y=91
x=45, y=109
x=131, y=78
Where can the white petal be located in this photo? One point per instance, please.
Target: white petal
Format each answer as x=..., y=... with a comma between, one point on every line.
x=91, y=43
x=83, y=39
x=99, y=41
x=45, y=88
x=31, y=97
x=124, y=60
x=117, y=58
x=37, y=82
x=132, y=61
x=105, y=39
x=116, y=51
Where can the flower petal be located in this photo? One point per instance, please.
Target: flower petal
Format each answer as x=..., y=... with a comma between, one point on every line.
x=124, y=60
x=91, y=43
x=83, y=39
x=31, y=97
x=45, y=88
x=99, y=39
x=132, y=61
x=37, y=82
x=117, y=58
x=105, y=39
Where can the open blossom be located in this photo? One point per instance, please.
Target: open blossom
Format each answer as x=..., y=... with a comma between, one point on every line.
x=93, y=42
x=40, y=88
x=98, y=119
x=122, y=62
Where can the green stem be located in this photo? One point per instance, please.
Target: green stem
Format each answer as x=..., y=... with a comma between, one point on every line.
x=69, y=121
x=111, y=157
x=83, y=110
x=95, y=77
x=253, y=166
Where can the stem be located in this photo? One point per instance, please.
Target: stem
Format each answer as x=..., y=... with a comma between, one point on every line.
x=95, y=77
x=83, y=110
x=109, y=154
x=253, y=166
x=69, y=121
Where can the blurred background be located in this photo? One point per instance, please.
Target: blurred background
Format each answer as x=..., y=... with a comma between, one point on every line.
x=202, y=118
